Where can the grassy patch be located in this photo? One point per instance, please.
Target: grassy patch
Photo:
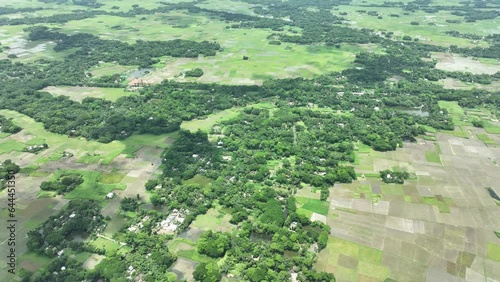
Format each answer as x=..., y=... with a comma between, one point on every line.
x=211, y=120
x=110, y=178
x=193, y=255
x=369, y=260
x=200, y=180
x=492, y=129
x=433, y=156
x=455, y=111
x=11, y=145
x=486, y=139
x=80, y=93
x=46, y=194
x=105, y=244
x=493, y=251
x=392, y=189
x=313, y=205
x=429, y=129
x=89, y=159
x=441, y=204
x=91, y=188
x=304, y=212
x=213, y=220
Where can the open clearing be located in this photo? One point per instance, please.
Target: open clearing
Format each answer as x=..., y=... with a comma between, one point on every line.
x=80, y=93
x=450, y=62
x=213, y=220
x=437, y=227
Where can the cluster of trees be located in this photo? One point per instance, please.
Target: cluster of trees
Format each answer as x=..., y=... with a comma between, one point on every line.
x=190, y=154
x=197, y=72
x=10, y=10
x=244, y=194
x=129, y=204
x=207, y=272
x=471, y=11
x=54, y=234
x=142, y=53
x=7, y=170
x=64, y=183
x=214, y=244
x=62, y=268
x=389, y=176
x=7, y=126
x=86, y=3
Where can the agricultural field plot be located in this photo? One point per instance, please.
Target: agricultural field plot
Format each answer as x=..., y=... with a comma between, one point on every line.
x=450, y=62
x=107, y=169
x=24, y=50
x=214, y=220
x=80, y=93
x=437, y=226
x=88, y=152
x=431, y=28
x=266, y=61
x=30, y=213
x=450, y=83
x=464, y=117
x=211, y=120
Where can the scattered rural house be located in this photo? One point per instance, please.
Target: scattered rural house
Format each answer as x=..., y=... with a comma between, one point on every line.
x=139, y=225
x=35, y=148
x=136, y=83
x=110, y=195
x=170, y=224
x=293, y=276
x=195, y=155
x=66, y=154
x=226, y=158
x=293, y=225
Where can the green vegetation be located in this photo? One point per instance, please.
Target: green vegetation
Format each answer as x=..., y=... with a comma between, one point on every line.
x=90, y=188
x=369, y=260
x=214, y=244
x=493, y=251
x=313, y=205
x=7, y=126
x=197, y=72
x=433, y=156
x=63, y=183
x=8, y=171
x=389, y=176
x=249, y=101
x=442, y=204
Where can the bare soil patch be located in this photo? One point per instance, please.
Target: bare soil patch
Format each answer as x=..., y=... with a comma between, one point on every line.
x=184, y=269
x=92, y=261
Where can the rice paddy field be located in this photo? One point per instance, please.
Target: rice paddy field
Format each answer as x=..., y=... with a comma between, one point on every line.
x=431, y=28
x=80, y=93
x=438, y=226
